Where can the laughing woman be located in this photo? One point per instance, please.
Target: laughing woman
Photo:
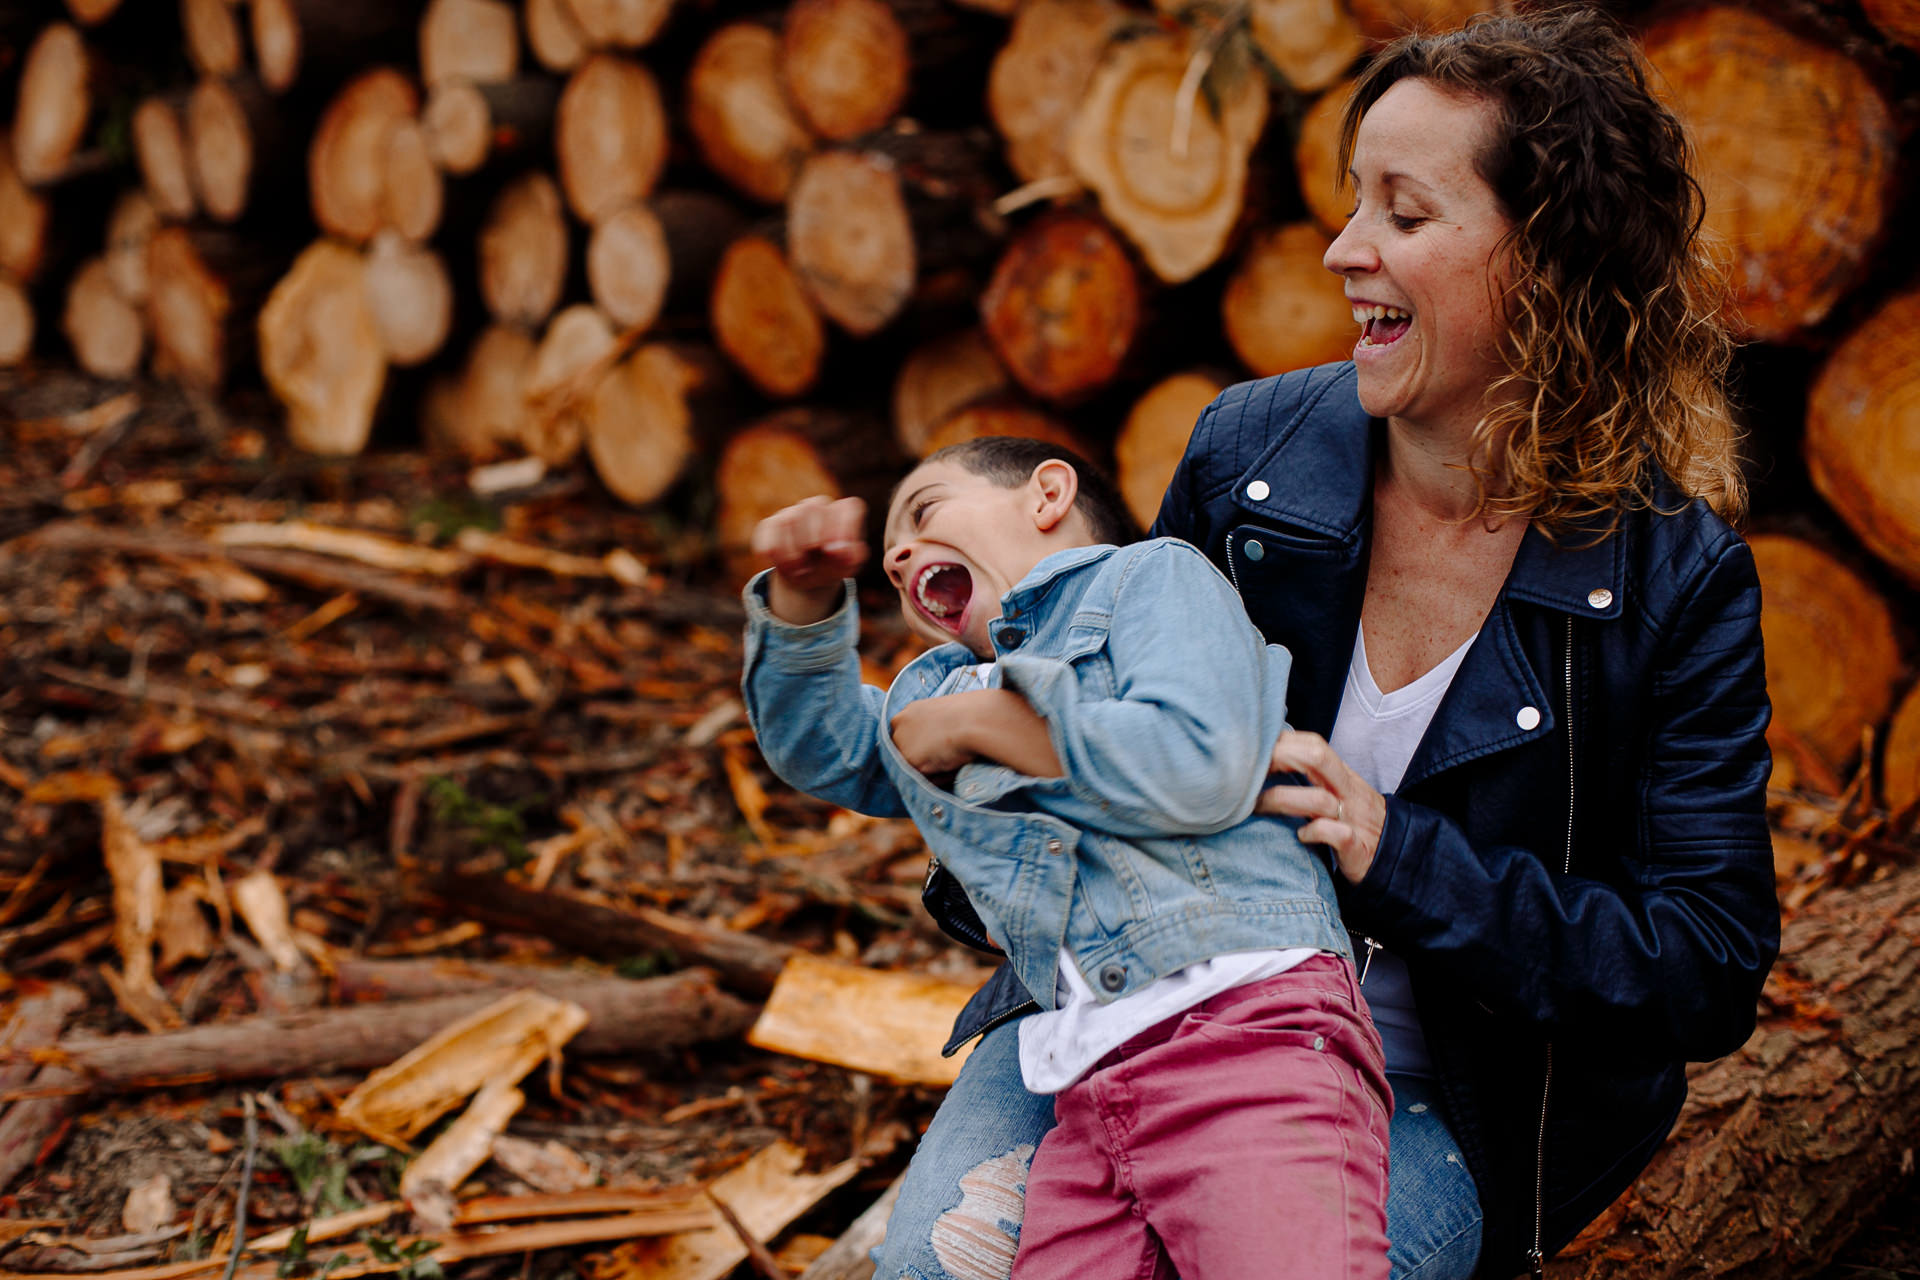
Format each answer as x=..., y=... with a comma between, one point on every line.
x=1527, y=686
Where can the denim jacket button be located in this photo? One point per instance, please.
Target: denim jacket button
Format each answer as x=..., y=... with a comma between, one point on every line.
x=939, y=813
x=1113, y=977
x=1011, y=637
x=1054, y=845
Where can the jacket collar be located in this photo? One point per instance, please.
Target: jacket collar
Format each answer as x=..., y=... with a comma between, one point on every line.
x=1317, y=473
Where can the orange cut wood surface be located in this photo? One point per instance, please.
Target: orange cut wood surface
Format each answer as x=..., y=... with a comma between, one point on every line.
x=1283, y=309
x=1154, y=438
x=1063, y=307
x=886, y=1023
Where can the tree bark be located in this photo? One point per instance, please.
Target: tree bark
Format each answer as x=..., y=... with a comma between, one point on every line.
x=523, y=251
x=108, y=333
x=321, y=352
x=740, y=115
x=845, y=64
x=1154, y=438
x=624, y=1017
x=1063, y=307
x=1283, y=309
x=1785, y=1147
x=764, y=321
x=1861, y=417
x=850, y=239
x=1825, y=693
x=610, y=136
x=1797, y=151
x=746, y=963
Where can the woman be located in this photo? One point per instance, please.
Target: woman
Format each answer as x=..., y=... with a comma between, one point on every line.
x=1528, y=691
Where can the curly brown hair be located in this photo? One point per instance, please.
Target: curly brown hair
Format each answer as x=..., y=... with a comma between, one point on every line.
x=1615, y=343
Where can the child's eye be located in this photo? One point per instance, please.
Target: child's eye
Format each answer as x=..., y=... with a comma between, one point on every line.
x=920, y=510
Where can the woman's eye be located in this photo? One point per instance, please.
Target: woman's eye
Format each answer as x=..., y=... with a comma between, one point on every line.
x=1403, y=221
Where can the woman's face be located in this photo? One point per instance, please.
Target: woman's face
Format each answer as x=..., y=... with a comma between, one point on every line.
x=1421, y=258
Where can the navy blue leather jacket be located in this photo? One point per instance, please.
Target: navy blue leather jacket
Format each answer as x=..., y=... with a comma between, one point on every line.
x=1576, y=867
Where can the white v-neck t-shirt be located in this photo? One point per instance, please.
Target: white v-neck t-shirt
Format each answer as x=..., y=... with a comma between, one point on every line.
x=1376, y=735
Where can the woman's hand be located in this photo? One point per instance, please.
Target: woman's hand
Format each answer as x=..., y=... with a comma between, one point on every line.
x=1342, y=811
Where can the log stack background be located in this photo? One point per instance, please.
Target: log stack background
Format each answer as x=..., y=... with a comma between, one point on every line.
x=718, y=257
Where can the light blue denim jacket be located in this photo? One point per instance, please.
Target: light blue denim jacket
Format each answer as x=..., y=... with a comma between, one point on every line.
x=1144, y=858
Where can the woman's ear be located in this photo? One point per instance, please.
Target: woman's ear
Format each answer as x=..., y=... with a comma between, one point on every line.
x=1054, y=486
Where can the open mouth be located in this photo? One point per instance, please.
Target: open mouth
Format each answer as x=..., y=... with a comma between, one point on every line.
x=1382, y=326
x=943, y=591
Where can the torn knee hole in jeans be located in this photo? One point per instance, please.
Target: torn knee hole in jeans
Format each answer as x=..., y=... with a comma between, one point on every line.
x=976, y=1239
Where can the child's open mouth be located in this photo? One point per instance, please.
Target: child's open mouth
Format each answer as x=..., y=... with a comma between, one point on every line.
x=1381, y=326
x=942, y=592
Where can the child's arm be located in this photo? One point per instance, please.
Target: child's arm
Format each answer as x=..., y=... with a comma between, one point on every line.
x=938, y=735
x=1182, y=746
x=818, y=725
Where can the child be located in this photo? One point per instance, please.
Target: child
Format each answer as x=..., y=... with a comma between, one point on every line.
x=1083, y=750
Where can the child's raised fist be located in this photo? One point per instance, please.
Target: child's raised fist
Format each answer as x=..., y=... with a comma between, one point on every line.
x=811, y=545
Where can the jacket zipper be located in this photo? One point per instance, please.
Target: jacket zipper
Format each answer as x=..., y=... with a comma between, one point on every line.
x=1536, y=1258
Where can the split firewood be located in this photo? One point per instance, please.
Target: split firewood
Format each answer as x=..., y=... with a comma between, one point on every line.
x=624, y=1017
x=610, y=136
x=576, y=351
x=764, y=321
x=850, y=239
x=851, y=1256
x=23, y=221
x=1154, y=438
x=1900, y=758
x=887, y=1024
x=493, y=1046
x=739, y=113
x=747, y=963
x=845, y=63
x=1823, y=693
x=1170, y=169
x=349, y=157
x=553, y=35
x=129, y=227
x=1002, y=415
x=628, y=267
x=1283, y=309
x=939, y=377
x=619, y=24
x=1785, y=1146
x=260, y=902
x=641, y=422
x=1382, y=20
x=1316, y=160
x=160, y=147
x=1040, y=77
x=53, y=104
x=473, y=40
x=16, y=321
x=523, y=251
x=765, y=1194
x=483, y=418
x=410, y=295
x=1863, y=411
x=430, y=1179
x=321, y=350
x=213, y=38
x=1063, y=307
x=1798, y=154
x=290, y=36
x=108, y=334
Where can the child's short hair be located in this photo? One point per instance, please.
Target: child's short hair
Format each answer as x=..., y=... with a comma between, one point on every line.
x=1009, y=460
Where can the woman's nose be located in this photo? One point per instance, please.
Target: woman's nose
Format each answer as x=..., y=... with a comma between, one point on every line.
x=1350, y=251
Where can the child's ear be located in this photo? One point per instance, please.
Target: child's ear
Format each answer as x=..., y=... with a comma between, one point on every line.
x=1054, y=486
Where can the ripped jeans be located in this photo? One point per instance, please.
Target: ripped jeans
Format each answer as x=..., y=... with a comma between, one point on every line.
x=958, y=1216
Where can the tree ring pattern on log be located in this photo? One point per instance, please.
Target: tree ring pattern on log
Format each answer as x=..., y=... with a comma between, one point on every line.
x=1063, y=307
x=851, y=240
x=610, y=136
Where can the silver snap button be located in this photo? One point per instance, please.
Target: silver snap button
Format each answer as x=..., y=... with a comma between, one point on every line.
x=1255, y=551
x=1054, y=845
x=1319, y=1042
x=1258, y=491
x=1599, y=597
x=1113, y=977
x=939, y=813
x=973, y=788
x=1529, y=718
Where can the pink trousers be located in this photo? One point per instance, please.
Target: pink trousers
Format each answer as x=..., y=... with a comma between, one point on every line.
x=1245, y=1139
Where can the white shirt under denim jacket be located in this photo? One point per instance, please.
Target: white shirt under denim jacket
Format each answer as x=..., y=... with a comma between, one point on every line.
x=1143, y=859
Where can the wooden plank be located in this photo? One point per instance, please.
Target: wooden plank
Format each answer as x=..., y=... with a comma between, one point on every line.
x=884, y=1023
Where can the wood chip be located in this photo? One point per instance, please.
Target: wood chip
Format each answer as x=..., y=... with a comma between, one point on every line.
x=888, y=1024
x=149, y=1205
x=347, y=544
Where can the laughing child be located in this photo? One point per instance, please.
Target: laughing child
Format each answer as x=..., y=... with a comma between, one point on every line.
x=1082, y=751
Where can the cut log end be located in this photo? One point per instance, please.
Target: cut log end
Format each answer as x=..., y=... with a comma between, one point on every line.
x=350, y=158
x=16, y=322
x=52, y=104
x=212, y=29
x=628, y=267
x=410, y=296
x=473, y=40
x=579, y=346
x=413, y=196
x=160, y=146
x=1384, y=20
x=763, y=320
x=1310, y=42
x=1824, y=694
x=937, y=379
x=555, y=38
x=130, y=226
x=846, y=65
x=108, y=333
x=850, y=239
x=1040, y=77
x=1316, y=159
x=459, y=126
x=740, y=115
x=483, y=420
x=1001, y=416
x=320, y=350
x=523, y=251
x=1900, y=765
x=765, y=468
x=1063, y=307
x=619, y=24
x=23, y=221
x=610, y=137
x=639, y=425
x=1283, y=309
x=188, y=306
x=275, y=26
x=219, y=149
